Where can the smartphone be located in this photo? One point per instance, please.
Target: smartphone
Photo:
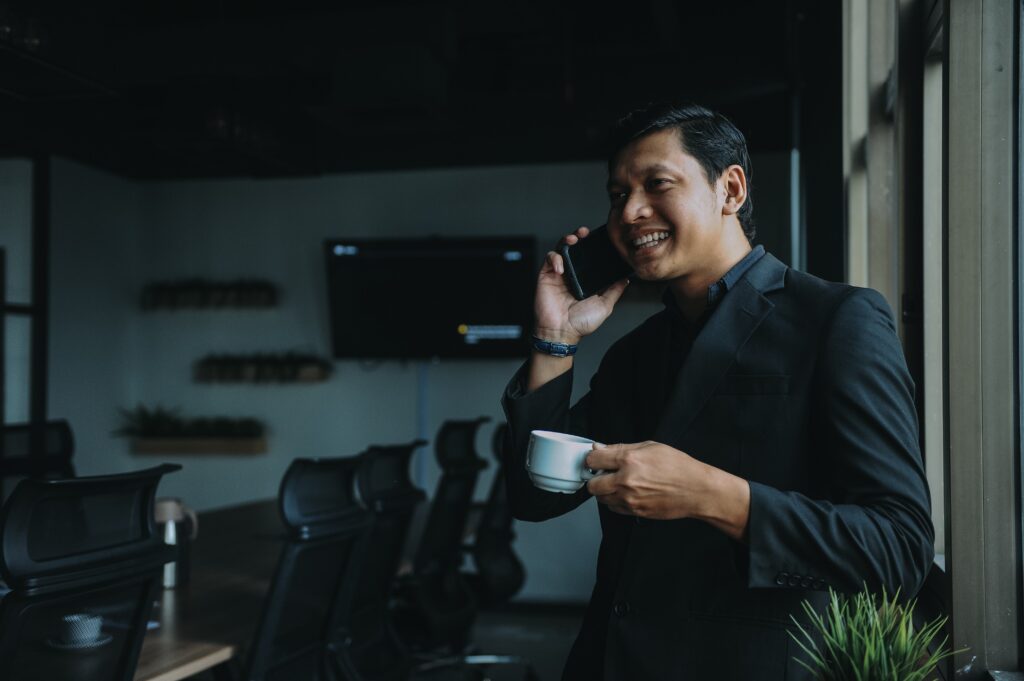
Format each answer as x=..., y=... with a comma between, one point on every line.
x=593, y=264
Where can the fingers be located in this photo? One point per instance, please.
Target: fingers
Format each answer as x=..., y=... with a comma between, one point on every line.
x=621, y=510
x=606, y=457
x=602, y=485
x=572, y=239
x=553, y=262
x=606, y=491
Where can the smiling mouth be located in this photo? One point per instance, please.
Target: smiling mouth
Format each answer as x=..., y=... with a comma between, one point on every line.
x=648, y=242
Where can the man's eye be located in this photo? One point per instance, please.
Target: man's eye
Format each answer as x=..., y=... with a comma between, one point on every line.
x=616, y=197
x=659, y=182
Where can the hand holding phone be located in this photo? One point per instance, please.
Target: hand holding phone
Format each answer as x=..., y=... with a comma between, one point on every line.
x=593, y=264
x=559, y=315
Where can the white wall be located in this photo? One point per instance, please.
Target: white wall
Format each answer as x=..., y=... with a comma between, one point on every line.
x=111, y=236
x=94, y=354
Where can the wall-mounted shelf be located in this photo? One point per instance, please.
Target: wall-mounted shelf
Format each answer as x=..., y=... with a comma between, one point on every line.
x=279, y=368
x=158, y=430
x=197, y=445
x=206, y=294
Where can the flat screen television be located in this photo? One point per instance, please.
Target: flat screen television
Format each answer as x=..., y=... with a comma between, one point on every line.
x=435, y=297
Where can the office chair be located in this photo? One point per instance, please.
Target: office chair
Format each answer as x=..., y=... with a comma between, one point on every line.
x=82, y=563
x=499, y=572
x=53, y=460
x=308, y=609
x=436, y=606
x=373, y=650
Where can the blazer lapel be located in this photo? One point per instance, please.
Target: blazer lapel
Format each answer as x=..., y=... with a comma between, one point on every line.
x=715, y=349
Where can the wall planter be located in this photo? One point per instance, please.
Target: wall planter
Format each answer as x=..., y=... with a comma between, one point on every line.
x=162, y=431
x=203, y=293
x=281, y=368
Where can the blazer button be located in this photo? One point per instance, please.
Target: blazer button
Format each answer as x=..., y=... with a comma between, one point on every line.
x=621, y=608
x=806, y=582
x=794, y=580
x=781, y=578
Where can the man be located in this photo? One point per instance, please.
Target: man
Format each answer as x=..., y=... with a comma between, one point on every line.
x=773, y=447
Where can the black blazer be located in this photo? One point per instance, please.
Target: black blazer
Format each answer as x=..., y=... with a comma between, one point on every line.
x=797, y=385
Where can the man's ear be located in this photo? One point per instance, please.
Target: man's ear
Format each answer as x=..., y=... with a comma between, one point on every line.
x=734, y=181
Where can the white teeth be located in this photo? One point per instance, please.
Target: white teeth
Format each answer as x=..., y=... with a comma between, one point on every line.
x=649, y=239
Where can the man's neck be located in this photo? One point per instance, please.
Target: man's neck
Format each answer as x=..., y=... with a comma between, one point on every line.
x=691, y=291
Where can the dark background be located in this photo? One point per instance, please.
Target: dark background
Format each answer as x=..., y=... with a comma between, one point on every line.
x=213, y=89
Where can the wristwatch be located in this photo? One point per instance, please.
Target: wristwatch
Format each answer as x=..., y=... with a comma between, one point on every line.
x=554, y=348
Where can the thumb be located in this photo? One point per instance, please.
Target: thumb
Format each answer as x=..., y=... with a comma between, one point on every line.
x=612, y=294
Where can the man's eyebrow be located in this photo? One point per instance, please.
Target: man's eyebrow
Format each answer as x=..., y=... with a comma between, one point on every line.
x=646, y=170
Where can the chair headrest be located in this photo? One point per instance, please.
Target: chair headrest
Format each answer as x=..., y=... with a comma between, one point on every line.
x=318, y=493
x=383, y=478
x=455, y=446
x=55, y=530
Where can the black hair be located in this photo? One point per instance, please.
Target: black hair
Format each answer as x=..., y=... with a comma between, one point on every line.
x=708, y=136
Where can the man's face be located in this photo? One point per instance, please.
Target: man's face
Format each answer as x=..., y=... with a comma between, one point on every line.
x=665, y=219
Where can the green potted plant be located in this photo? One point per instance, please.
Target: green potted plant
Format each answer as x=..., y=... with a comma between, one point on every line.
x=869, y=637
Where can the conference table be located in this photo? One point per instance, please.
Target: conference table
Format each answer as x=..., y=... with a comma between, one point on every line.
x=212, y=617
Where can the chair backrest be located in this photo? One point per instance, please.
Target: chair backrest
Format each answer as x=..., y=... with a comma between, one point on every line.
x=440, y=548
x=84, y=564
x=310, y=599
x=500, y=572
x=51, y=457
x=496, y=519
x=385, y=489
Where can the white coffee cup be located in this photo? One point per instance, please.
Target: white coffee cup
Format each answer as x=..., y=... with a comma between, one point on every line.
x=80, y=628
x=557, y=462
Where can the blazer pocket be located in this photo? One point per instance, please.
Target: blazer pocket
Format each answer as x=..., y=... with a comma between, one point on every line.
x=753, y=384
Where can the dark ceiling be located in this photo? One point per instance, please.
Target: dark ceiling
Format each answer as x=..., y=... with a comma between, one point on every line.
x=199, y=89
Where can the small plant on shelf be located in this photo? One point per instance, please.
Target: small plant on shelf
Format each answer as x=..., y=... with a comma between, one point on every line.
x=869, y=637
x=202, y=293
x=278, y=368
x=161, y=430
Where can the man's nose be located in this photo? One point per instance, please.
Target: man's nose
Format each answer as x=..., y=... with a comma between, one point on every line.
x=637, y=208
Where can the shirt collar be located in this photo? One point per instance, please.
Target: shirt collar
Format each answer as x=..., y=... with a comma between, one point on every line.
x=718, y=290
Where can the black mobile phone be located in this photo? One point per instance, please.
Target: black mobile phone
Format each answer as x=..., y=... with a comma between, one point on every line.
x=593, y=264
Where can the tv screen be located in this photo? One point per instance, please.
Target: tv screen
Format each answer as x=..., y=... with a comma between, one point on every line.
x=437, y=297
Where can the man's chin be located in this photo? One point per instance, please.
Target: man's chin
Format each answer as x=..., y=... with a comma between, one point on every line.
x=650, y=274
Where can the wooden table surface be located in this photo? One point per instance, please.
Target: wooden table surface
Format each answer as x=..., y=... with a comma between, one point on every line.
x=214, y=616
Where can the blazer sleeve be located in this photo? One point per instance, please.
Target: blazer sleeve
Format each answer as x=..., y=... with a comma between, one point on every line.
x=875, y=526
x=546, y=408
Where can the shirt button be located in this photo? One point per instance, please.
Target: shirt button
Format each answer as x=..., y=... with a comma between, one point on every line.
x=621, y=608
x=781, y=578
